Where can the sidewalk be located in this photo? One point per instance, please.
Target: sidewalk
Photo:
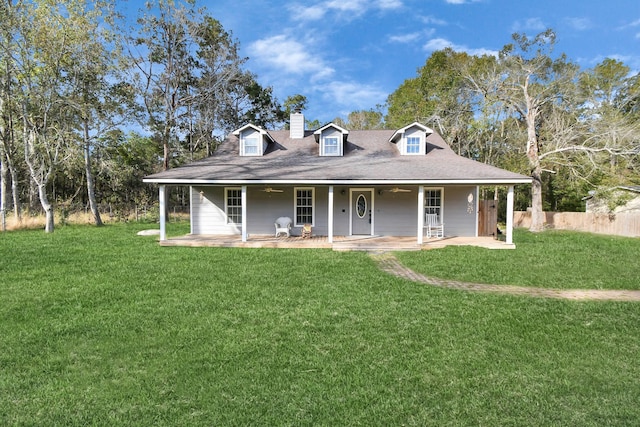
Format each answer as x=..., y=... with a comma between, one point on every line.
x=388, y=263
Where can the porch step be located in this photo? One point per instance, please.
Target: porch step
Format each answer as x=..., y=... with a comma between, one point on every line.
x=377, y=248
x=377, y=244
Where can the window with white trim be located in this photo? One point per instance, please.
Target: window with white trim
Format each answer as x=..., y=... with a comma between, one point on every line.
x=433, y=202
x=250, y=146
x=233, y=205
x=304, y=206
x=330, y=146
x=413, y=144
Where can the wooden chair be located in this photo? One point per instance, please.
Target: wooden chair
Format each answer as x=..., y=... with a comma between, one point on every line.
x=306, y=231
x=433, y=226
x=283, y=225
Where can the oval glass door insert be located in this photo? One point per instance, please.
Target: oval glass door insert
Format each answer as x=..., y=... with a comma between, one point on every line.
x=361, y=206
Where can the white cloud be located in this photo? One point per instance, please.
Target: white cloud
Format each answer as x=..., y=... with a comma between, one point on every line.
x=353, y=95
x=437, y=44
x=312, y=13
x=461, y=1
x=289, y=56
x=405, y=38
x=431, y=20
x=348, y=8
x=579, y=24
x=354, y=6
x=440, y=43
x=389, y=4
x=532, y=24
x=411, y=37
x=632, y=24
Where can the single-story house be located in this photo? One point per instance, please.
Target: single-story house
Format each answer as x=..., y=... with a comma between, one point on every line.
x=340, y=182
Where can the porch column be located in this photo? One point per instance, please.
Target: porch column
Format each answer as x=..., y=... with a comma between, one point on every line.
x=420, y=214
x=510, y=215
x=244, y=213
x=162, y=198
x=330, y=215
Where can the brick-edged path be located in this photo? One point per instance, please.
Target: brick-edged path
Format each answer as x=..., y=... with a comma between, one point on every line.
x=390, y=264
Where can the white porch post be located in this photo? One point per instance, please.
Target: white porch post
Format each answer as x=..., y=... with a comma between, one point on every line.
x=510, y=215
x=330, y=215
x=420, y=214
x=244, y=213
x=162, y=198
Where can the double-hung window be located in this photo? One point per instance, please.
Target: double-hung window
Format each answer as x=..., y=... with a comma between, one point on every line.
x=233, y=205
x=330, y=146
x=304, y=206
x=250, y=146
x=433, y=202
x=413, y=145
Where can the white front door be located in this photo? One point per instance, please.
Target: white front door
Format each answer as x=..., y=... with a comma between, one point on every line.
x=362, y=212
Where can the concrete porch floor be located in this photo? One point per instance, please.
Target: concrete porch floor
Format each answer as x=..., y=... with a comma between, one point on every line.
x=340, y=243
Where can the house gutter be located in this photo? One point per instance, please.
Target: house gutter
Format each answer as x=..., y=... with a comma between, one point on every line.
x=168, y=181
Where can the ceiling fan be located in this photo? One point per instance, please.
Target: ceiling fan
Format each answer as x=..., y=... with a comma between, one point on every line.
x=272, y=190
x=399, y=190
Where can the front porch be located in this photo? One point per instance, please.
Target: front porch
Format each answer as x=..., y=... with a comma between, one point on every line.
x=340, y=243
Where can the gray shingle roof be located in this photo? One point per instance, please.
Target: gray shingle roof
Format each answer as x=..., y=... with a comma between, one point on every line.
x=369, y=157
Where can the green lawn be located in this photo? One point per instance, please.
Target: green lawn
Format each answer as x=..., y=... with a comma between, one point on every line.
x=103, y=327
x=553, y=259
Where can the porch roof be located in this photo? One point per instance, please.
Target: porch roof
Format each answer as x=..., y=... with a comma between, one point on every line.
x=369, y=158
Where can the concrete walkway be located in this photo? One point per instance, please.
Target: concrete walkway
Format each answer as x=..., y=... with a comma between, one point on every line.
x=390, y=264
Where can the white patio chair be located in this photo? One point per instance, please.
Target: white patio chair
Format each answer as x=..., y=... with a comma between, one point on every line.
x=283, y=225
x=433, y=226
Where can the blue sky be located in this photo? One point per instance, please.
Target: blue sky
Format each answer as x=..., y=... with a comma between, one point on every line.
x=345, y=55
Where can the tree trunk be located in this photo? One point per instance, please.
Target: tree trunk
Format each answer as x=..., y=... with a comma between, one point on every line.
x=91, y=192
x=14, y=191
x=48, y=208
x=3, y=191
x=533, y=154
x=537, y=214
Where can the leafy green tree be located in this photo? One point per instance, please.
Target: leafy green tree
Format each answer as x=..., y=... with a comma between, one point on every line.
x=527, y=82
x=166, y=67
x=42, y=59
x=439, y=97
x=365, y=120
x=95, y=89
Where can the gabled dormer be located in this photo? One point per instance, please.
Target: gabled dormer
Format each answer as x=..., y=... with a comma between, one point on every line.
x=332, y=139
x=253, y=140
x=412, y=140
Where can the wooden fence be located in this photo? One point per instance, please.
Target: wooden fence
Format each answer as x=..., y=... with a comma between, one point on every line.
x=620, y=224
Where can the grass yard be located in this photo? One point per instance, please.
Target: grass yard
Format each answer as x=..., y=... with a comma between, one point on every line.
x=553, y=259
x=103, y=327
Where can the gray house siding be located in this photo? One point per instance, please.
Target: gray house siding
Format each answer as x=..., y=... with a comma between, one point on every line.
x=207, y=212
x=394, y=214
x=460, y=217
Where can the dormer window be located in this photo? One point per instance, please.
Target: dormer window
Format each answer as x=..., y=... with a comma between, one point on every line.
x=330, y=146
x=411, y=140
x=253, y=140
x=413, y=145
x=332, y=139
x=249, y=146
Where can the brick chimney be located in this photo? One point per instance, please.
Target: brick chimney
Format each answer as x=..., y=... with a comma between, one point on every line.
x=296, y=125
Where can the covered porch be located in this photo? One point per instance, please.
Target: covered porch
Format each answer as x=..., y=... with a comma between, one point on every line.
x=339, y=243
x=405, y=210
